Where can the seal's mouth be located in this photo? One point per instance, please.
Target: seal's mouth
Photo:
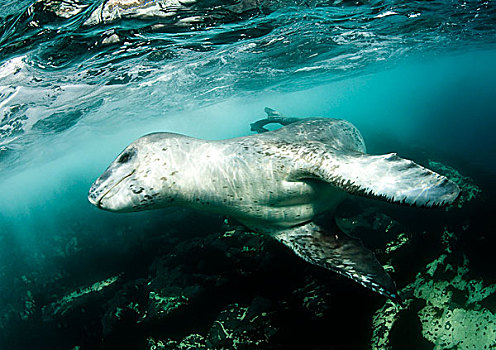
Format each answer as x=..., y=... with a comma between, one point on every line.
x=99, y=191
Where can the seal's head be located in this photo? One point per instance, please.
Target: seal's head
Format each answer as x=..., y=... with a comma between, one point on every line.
x=139, y=178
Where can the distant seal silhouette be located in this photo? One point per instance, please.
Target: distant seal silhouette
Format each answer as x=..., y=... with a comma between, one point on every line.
x=275, y=182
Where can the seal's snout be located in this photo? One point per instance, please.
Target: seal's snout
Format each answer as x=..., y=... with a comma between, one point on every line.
x=92, y=199
x=111, y=191
x=101, y=188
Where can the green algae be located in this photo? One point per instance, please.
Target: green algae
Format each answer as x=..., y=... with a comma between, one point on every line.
x=167, y=304
x=190, y=342
x=29, y=306
x=397, y=243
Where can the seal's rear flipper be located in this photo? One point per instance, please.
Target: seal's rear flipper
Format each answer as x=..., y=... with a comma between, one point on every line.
x=272, y=113
x=273, y=116
x=340, y=253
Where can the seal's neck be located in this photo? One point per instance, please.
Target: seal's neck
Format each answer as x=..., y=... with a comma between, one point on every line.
x=193, y=171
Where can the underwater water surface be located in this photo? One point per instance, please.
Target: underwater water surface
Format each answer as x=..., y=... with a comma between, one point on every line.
x=80, y=80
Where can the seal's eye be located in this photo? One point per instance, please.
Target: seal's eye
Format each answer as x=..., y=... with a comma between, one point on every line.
x=124, y=158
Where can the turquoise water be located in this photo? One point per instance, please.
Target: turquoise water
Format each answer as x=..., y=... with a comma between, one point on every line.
x=80, y=80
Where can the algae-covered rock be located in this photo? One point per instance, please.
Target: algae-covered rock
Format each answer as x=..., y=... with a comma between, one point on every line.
x=469, y=190
x=235, y=327
x=314, y=299
x=452, y=322
x=76, y=298
x=127, y=305
x=447, y=304
x=164, y=305
x=29, y=306
x=243, y=327
x=190, y=342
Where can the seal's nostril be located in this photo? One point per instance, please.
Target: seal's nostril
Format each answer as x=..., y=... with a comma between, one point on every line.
x=92, y=198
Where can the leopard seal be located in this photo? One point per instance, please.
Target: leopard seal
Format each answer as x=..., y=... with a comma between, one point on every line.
x=274, y=182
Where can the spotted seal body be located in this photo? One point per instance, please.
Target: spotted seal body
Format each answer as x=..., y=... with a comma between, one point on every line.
x=249, y=178
x=274, y=182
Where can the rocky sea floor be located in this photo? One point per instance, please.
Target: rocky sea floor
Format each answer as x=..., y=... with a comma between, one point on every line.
x=199, y=281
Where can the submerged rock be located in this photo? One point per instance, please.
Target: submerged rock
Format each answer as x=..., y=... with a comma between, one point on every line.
x=469, y=189
x=242, y=327
x=447, y=304
x=314, y=299
x=76, y=298
x=190, y=342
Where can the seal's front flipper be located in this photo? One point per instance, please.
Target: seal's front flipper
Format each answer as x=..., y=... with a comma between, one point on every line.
x=273, y=116
x=395, y=179
x=386, y=177
x=340, y=253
